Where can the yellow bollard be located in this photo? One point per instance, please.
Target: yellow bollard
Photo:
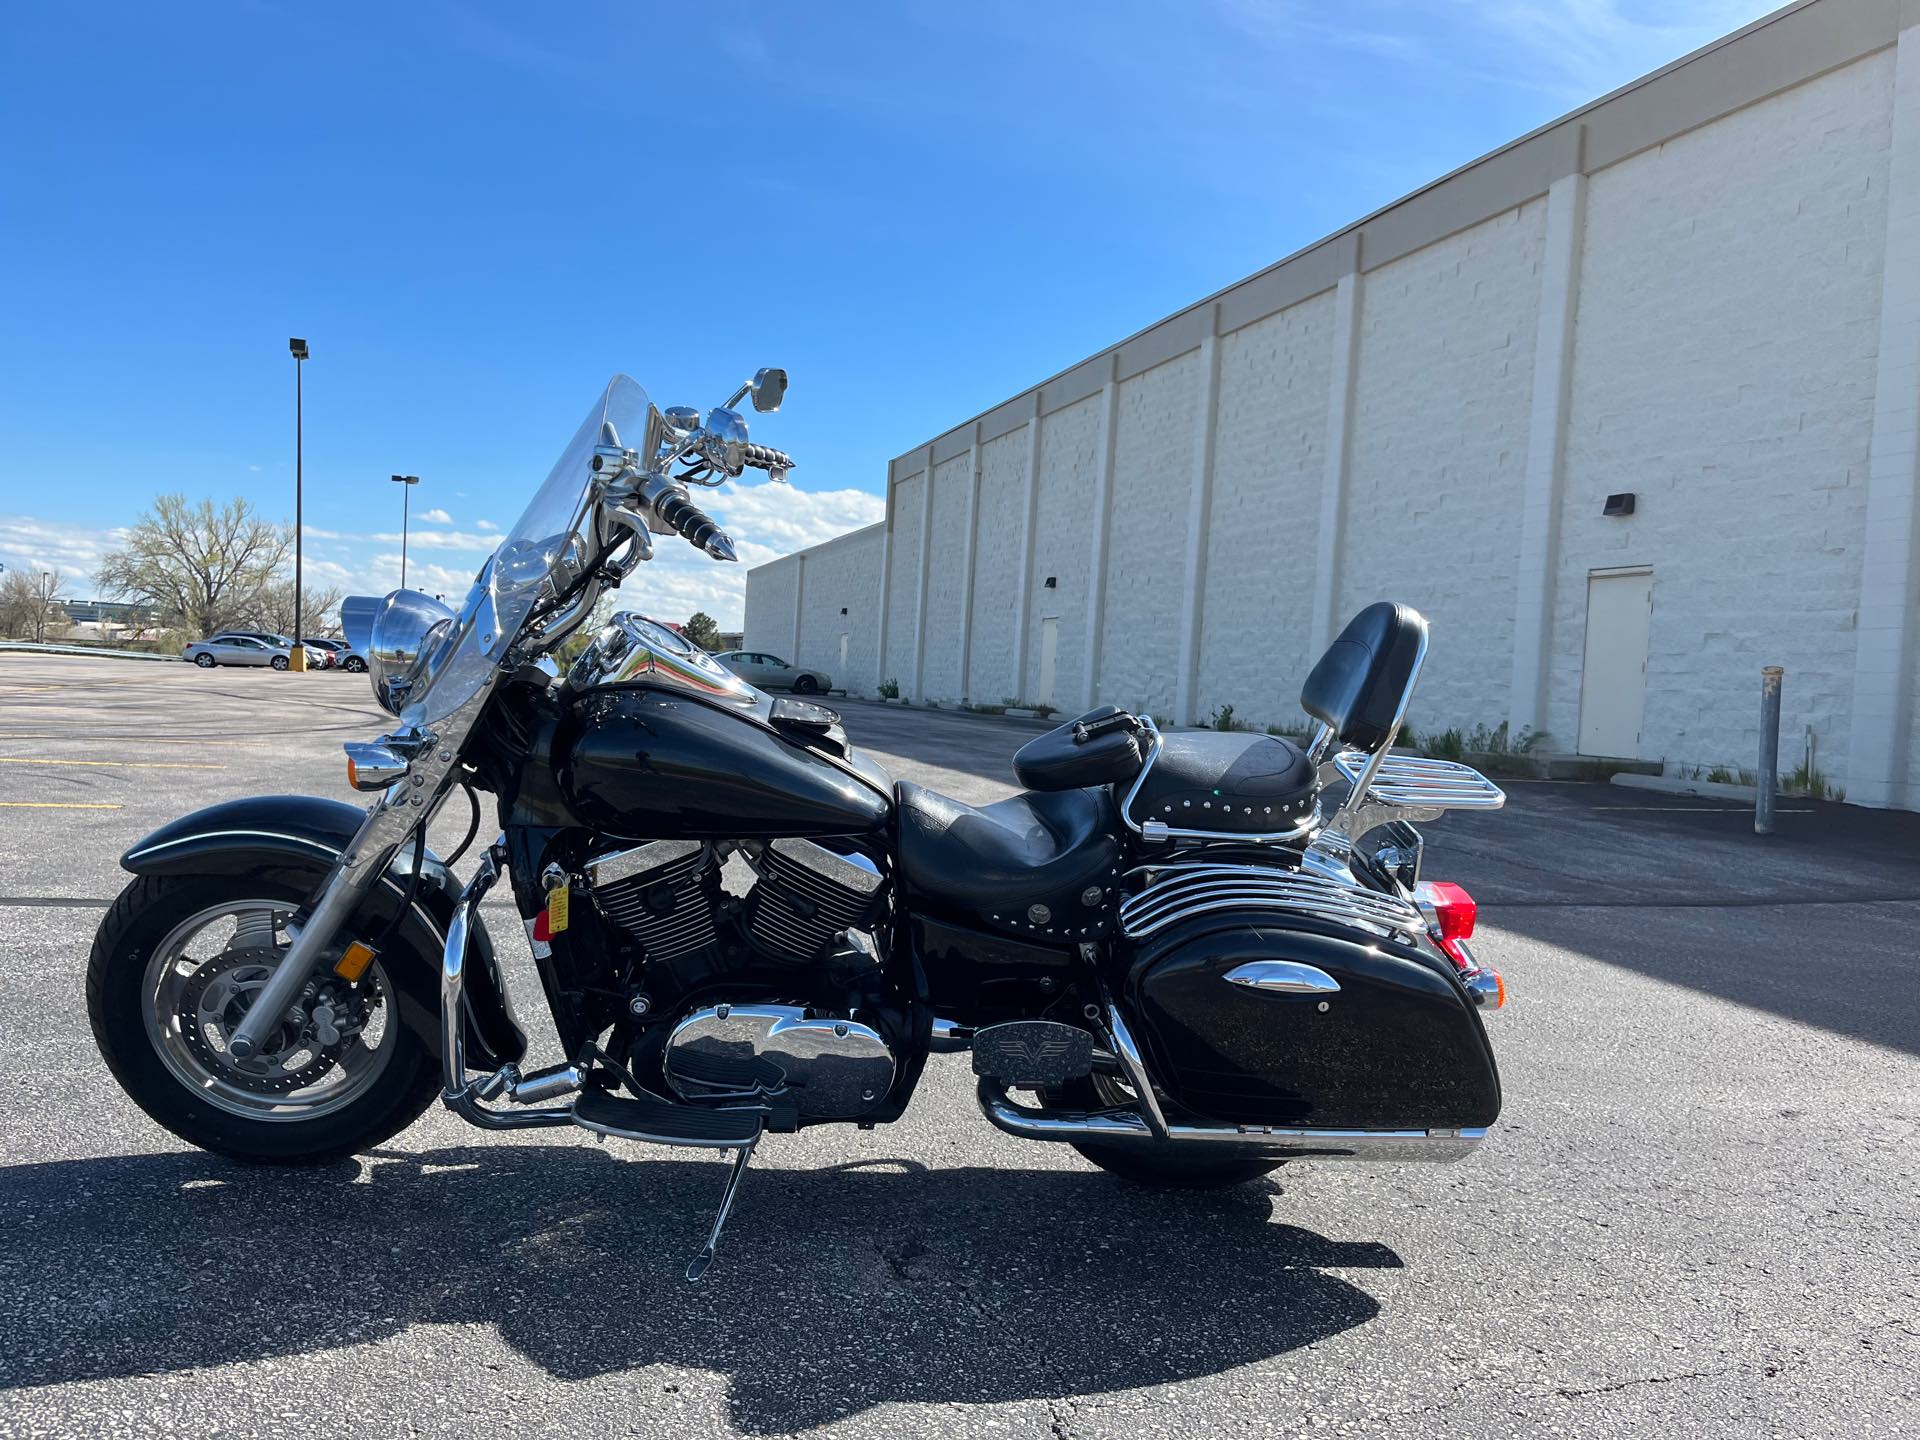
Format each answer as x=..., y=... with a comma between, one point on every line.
x=297, y=658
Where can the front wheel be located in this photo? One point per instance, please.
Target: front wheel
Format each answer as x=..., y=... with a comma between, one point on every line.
x=354, y=665
x=176, y=963
x=805, y=685
x=1161, y=1166
x=205, y=661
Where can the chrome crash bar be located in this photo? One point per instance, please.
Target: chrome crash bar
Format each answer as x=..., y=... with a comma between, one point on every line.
x=467, y=1098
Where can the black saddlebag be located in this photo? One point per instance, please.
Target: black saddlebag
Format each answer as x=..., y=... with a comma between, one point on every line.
x=1242, y=1022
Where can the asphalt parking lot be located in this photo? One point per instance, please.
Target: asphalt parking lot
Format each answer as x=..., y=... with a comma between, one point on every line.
x=1699, y=1214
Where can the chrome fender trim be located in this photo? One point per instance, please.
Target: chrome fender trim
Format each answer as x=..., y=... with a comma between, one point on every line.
x=1437, y=1145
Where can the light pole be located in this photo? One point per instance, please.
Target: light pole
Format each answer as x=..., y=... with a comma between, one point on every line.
x=297, y=657
x=46, y=607
x=406, y=496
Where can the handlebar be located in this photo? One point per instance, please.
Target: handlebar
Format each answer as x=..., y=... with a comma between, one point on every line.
x=695, y=524
x=765, y=457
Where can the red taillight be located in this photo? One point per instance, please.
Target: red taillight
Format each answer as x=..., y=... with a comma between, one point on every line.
x=1453, y=909
x=541, y=933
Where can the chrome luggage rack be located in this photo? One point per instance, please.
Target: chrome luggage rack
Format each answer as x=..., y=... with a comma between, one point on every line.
x=1193, y=888
x=1413, y=782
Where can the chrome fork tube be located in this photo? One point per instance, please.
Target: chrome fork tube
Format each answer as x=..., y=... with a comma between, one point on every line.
x=360, y=865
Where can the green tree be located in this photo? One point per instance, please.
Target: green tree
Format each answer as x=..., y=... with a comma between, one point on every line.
x=702, y=630
x=201, y=566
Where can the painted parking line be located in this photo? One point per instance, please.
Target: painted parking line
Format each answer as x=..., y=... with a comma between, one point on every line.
x=56, y=805
x=117, y=764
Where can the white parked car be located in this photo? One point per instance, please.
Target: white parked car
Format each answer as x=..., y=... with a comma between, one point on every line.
x=770, y=672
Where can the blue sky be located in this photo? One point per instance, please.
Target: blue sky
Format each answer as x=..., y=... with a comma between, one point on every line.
x=476, y=212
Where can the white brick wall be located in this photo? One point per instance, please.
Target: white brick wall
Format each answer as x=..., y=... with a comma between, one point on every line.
x=1152, y=477
x=769, y=622
x=1724, y=372
x=947, y=587
x=1727, y=364
x=1268, y=452
x=996, y=581
x=843, y=574
x=903, y=592
x=1438, y=452
x=1069, y=456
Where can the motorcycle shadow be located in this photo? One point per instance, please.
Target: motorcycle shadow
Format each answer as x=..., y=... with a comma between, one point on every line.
x=835, y=1289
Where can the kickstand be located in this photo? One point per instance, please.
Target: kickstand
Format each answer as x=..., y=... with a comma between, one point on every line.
x=705, y=1258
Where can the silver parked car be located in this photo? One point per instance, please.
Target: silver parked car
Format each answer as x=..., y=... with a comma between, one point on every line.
x=233, y=648
x=770, y=672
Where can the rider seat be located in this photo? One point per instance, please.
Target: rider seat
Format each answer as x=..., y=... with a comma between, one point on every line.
x=1041, y=864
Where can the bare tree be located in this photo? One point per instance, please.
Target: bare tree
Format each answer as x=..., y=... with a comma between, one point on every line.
x=30, y=605
x=272, y=609
x=201, y=566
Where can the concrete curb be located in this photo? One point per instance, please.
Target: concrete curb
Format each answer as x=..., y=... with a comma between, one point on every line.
x=27, y=647
x=1672, y=785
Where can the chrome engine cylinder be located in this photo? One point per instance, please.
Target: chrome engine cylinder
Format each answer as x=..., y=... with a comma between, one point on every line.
x=658, y=893
x=807, y=895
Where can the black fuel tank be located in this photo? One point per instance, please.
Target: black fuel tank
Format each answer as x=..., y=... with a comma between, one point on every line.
x=649, y=763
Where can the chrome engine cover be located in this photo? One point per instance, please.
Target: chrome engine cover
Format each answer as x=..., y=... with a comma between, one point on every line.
x=832, y=1067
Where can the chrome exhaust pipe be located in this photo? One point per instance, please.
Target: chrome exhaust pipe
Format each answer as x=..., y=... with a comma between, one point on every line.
x=1027, y=1123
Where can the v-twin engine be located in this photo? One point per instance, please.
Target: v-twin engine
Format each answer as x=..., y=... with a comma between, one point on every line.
x=667, y=895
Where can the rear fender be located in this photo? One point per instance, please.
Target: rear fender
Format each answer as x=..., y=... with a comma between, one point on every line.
x=295, y=839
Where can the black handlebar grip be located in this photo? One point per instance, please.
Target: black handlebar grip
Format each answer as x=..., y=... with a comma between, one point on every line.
x=689, y=519
x=765, y=457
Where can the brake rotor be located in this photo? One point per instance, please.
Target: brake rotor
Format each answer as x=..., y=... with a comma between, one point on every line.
x=211, y=1003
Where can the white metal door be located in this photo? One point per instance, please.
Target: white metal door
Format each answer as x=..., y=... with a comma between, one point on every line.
x=1049, y=652
x=1613, y=675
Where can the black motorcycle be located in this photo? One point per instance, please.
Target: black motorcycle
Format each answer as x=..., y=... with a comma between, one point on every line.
x=1201, y=953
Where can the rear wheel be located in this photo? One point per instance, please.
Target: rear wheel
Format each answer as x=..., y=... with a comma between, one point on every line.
x=1161, y=1166
x=279, y=662
x=205, y=661
x=177, y=962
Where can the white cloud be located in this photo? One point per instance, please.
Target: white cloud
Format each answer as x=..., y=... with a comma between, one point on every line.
x=485, y=525
x=765, y=520
x=436, y=516
x=75, y=550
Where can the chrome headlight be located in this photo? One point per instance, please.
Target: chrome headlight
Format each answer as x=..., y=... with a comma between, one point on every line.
x=400, y=636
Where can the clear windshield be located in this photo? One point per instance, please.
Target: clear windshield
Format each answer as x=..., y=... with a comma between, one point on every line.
x=521, y=573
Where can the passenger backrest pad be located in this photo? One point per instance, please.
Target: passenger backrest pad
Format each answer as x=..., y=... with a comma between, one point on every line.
x=1361, y=683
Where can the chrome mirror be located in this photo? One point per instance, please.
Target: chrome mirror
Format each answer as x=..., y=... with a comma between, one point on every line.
x=769, y=387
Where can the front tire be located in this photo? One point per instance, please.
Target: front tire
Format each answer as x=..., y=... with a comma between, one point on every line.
x=1157, y=1166
x=354, y=665
x=363, y=1093
x=805, y=685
